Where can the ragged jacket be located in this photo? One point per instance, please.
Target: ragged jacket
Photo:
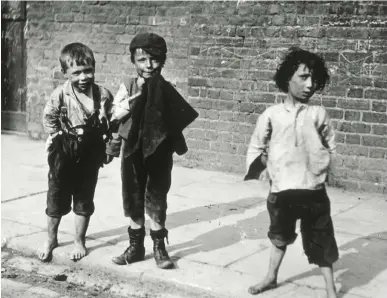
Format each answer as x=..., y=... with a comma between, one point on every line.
x=157, y=114
x=103, y=101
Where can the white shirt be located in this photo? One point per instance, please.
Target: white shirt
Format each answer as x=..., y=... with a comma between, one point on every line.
x=298, y=143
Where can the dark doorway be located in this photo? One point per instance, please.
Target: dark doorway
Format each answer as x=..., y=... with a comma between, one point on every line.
x=13, y=66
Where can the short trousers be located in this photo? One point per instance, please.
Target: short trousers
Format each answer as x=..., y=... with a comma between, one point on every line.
x=312, y=207
x=71, y=181
x=146, y=183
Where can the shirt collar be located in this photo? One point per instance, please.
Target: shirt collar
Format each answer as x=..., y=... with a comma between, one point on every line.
x=300, y=107
x=68, y=89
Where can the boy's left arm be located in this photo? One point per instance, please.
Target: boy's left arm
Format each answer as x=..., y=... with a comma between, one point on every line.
x=107, y=103
x=326, y=131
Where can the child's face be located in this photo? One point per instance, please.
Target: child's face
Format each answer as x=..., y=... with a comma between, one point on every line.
x=301, y=85
x=146, y=65
x=81, y=77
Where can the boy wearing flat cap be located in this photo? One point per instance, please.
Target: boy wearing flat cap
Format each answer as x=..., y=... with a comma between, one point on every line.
x=151, y=116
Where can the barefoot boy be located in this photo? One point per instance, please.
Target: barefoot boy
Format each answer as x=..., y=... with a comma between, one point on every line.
x=76, y=118
x=297, y=139
x=151, y=132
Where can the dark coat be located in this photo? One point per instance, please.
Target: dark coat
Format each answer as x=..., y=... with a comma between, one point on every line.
x=160, y=113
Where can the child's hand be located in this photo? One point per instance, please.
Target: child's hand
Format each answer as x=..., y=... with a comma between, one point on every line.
x=108, y=159
x=140, y=82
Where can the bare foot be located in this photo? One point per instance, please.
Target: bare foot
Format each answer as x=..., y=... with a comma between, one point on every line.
x=45, y=255
x=263, y=286
x=79, y=251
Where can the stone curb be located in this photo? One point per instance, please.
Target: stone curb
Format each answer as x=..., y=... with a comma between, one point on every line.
x=110, y=277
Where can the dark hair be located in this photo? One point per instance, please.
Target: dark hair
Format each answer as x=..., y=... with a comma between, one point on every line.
x=290, y=64
x=76, y=52
x=161, y=57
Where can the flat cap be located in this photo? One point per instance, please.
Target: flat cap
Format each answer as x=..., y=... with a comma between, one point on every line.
x=149, y=42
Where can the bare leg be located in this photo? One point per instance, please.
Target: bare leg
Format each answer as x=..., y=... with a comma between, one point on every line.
x=155, y=226
x=81, y=225
x=270, y=281
x=45, y=255
x=137, y=223
x=327, y=272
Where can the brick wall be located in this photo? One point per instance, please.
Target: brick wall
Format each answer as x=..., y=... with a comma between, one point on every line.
x=222, y=56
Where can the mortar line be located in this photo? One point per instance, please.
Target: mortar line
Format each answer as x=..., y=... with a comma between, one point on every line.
x=23, y=197
x=245, y=257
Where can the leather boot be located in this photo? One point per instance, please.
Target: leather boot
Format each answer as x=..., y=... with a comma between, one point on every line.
x=161, y=256
x=136, y=250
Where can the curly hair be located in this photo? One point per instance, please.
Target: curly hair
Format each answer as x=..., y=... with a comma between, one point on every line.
x=290, y=64
x=78, y=53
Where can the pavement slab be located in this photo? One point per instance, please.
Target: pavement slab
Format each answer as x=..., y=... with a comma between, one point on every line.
x=217, y=234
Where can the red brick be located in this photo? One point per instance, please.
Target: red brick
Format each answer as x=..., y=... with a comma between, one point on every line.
x=238, y=138
x=380, y=58
x=261, y=97
x=352, y=115
x=379, y=130
x=260, y=75
x=226, y=84
x=224, y=105
x=355, y=92
x=194, y=133
x=335, y=114
x=225, y=136
x=211, y=135
x=198, y=144
x=380, y=83
x=354, y=127
x=374, y=117
x=213, y=115
x=378, y=34
x=359, y=81
x=378, y=153
x=335, y=91
x=193, y=92
x=226, y=95
x=350, y=33
x=354, y=104
x=352, y=139
x=229, y=73
x=200, y=103
x=352, y=150
x=374, y=141
x=198, y=82
x=372, y=164
x=213, y=93
x=339, y=137
x=328, y=102
x=260, y=108
x=226, y=115
x=379, y=106
x=376, y=94
x=96, y=18
x=203, y=92
x=247, y=107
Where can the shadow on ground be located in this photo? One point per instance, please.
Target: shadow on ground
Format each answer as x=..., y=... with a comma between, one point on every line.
x=361, y=261
x=218, y=238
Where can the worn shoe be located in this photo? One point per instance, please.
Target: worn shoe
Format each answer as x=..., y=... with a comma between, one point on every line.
x=161, y=256
x=136, y=250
